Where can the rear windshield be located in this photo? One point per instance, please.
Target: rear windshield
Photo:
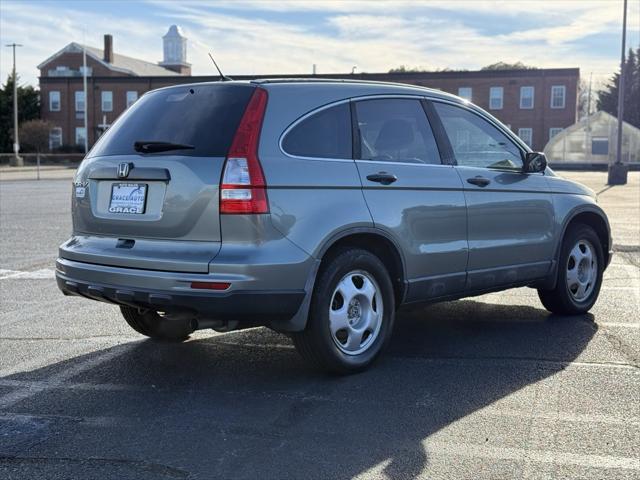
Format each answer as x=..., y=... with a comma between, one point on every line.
x=205, y=116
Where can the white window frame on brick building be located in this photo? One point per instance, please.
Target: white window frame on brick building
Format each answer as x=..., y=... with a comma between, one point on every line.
x=131, y=97
x=79, y=101
x=466, y=93
x=526, y=135
x=558, y=92
x=80, y=135
x=107, y=101
x=527, y=94
x=55, y=138
x=553, y=131
x=54, y=101
x=497, y=94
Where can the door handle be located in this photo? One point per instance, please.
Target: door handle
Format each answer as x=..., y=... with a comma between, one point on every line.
x=382, y=177
x=479, y=181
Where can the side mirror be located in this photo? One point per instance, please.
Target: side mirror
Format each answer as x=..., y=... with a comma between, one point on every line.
x=534, y=162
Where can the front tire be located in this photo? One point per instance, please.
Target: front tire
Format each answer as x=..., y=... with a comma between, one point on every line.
x=580, y=270
x=351, y=313
x=156, y=326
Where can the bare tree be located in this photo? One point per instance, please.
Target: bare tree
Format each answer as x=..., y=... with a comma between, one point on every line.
x=583, y=99
x=35, y=135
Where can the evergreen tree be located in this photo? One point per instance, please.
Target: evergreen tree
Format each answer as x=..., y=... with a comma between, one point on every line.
x=608, y=97
x=28, y=109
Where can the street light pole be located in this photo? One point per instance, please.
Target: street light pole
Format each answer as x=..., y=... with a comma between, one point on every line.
x=618, y=171
x=16, y=139
x=86, y=100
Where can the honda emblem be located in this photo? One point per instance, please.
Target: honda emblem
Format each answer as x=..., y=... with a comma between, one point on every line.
x=123, y=170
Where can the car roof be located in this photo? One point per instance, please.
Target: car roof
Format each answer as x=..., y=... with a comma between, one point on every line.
x=363, y=87
x=372, y=85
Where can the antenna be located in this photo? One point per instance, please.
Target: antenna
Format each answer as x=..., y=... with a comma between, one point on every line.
x=223, y=77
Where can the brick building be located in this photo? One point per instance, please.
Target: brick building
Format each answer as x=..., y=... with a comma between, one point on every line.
x=536, y=104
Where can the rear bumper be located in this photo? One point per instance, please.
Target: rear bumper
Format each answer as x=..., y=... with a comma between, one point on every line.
x=171, y=292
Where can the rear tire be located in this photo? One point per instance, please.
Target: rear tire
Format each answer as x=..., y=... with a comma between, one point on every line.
x=580, y=270
x=351, y=313
x=157, y=327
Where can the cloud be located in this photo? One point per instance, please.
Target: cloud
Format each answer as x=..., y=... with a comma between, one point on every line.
x=45, y=28
x=265, y=36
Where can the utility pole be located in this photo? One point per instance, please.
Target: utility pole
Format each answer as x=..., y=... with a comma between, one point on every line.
x=618, y=171
x=86, y=100
x=589, y=96
x=16, y=139
x=589, y=136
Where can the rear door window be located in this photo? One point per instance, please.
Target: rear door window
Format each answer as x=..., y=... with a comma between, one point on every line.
x=324, y=134
x=395, y=130
x=205, y=116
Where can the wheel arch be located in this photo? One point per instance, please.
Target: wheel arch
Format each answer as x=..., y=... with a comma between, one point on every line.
x=596, y=219
x=377, y=242
x=592, y=216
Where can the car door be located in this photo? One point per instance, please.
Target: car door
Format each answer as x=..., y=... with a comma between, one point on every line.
x=411, y=194
x=509, y=213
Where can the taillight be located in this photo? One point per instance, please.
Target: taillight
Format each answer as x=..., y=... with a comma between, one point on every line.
x=243, y=188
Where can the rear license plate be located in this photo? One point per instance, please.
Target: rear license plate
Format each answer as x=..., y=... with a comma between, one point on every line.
x=128, y=198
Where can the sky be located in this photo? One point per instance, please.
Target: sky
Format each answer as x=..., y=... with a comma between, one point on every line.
x=269, y=36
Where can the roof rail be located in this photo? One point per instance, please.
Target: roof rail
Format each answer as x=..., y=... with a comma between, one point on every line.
x=262, y=81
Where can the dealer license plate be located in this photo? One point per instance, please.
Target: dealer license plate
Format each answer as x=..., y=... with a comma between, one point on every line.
x=128, y=198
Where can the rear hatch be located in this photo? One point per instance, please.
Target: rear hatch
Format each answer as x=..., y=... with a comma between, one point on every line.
x=147, y=195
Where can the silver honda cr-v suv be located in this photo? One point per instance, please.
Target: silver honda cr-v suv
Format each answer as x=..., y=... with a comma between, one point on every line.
x=317, y=208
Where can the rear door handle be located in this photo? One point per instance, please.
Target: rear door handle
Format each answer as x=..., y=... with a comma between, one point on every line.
x=479, y=181
x=382, y=177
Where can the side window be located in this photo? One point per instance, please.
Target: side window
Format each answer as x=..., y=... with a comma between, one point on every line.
x=326, y=134
x=395, y=130
x=475, y=142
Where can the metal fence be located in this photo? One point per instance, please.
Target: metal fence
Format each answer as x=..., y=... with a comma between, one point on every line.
x=31, y=159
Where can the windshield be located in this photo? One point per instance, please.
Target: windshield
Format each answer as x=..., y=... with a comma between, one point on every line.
x=204, y=117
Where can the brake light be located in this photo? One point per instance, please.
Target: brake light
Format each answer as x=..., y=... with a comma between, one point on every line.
x=243, y=187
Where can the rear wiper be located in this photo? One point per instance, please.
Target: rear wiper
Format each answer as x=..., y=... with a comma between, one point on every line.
x=152, y=147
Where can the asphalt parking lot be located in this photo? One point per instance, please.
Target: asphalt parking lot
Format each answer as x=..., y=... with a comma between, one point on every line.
x=489, y=387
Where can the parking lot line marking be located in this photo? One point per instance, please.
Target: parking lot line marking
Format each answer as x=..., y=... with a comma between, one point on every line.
x=436, y=447
x=58, y=378
x=47, y=384
x=377, y=471
x=512, y=362
x=88, y=346
x=97, y=421
x=258, y=345
x=15, y=316
x=489, y=411
x=45, y=310
x=41, y=274
x=635, y=283
x=559, y=416
x=619, y=324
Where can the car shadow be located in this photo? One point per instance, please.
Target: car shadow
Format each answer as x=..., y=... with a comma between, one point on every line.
x=243, y=405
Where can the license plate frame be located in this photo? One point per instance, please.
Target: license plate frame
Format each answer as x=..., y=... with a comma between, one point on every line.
x=128, y=206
